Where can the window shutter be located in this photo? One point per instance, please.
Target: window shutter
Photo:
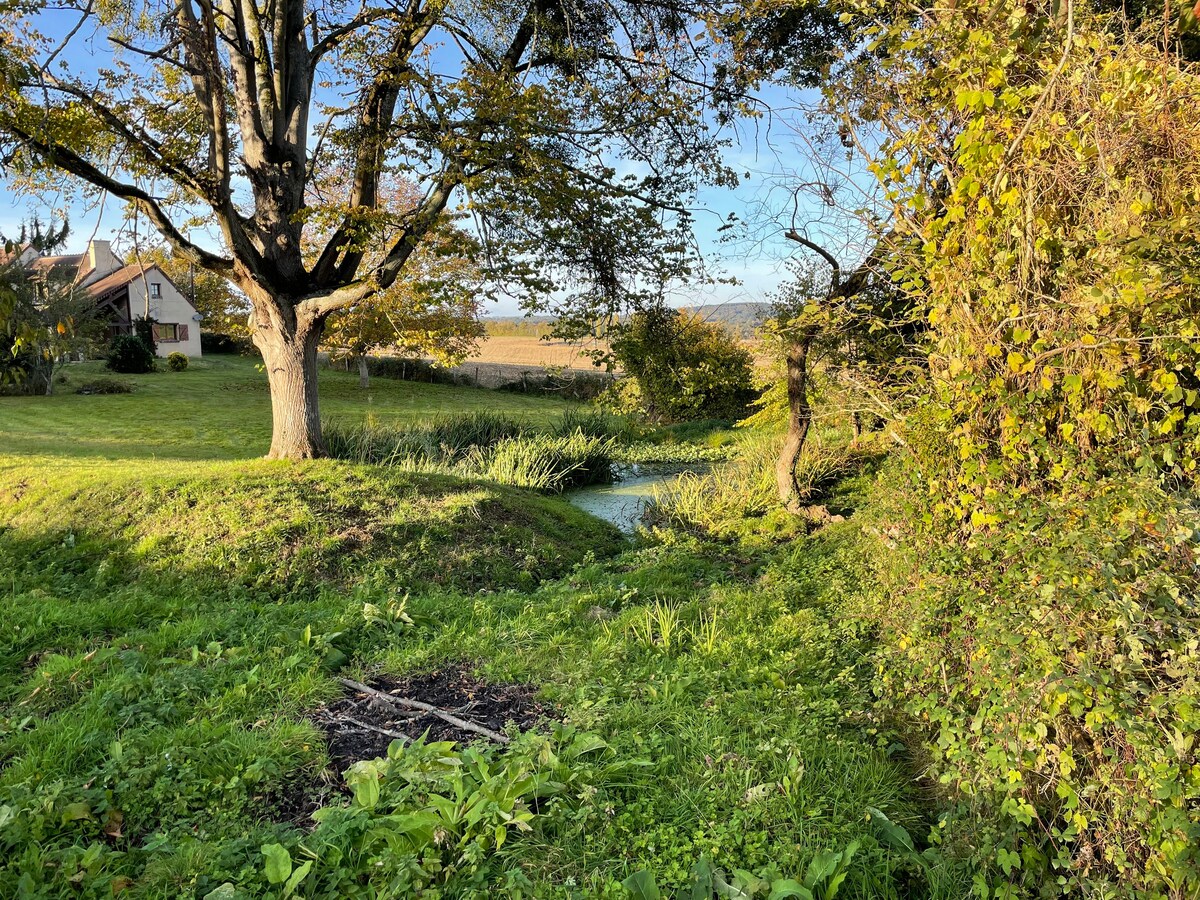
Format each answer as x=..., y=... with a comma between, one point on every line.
x=154, y=330
x=183, y=332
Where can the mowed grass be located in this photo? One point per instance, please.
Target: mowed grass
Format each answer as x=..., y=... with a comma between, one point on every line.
x=219, y=408
x=168, y=625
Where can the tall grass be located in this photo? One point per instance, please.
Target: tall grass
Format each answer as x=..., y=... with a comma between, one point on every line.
x=744, y=487
x=482, y=445
x=544, y=462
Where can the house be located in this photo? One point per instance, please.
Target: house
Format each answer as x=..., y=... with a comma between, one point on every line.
x=127, y=292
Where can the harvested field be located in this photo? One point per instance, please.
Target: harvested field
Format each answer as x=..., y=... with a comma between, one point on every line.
x=528, y=351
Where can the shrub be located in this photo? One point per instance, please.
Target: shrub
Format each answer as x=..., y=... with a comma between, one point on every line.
x=130, y=355
x=225, y=344
x=105, y=386
x=684, y=368
x=143, y=327
x=1054, y=658
x=16, y=371
x=177, y=362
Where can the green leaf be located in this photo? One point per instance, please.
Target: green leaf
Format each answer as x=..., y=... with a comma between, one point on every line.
x=786, y=887
x=279, y=862
x=821, y=867
x=297, y=877
x=893, y=835
x=73, y=812
x=641, y=886
x=363, y=779
x=700, y=884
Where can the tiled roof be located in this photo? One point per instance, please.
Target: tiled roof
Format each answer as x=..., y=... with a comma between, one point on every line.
x=117, y=279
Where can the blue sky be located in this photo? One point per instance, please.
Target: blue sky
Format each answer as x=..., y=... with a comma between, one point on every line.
x=773, y=154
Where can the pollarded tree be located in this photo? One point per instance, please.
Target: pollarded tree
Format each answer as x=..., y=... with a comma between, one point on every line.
x=518, y=111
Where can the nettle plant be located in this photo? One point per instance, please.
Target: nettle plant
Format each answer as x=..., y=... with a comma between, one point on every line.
x=430, y=814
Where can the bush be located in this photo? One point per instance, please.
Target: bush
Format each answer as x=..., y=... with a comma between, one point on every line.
x=225, y=344
x=1054, y=659
x=130, y=355
x=177, y=362
x=143, y=327
x=105, y=386
x=16, y=371
x=682, y=368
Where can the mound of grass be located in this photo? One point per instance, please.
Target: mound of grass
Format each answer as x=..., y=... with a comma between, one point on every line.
x=278, y=527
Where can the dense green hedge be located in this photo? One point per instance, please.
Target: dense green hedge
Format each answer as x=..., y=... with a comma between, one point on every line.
x=1054, y=660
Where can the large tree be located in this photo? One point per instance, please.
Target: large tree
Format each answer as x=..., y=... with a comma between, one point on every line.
x=518, y=112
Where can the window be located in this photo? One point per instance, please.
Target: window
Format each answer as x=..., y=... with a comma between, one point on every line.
x=156, y=289
x=166, y=333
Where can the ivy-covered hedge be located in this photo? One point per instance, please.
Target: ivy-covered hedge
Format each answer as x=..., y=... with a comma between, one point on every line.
x=1042, y=627
x=1055, y=661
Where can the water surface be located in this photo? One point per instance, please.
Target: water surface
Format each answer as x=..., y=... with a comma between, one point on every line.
x=623, y=502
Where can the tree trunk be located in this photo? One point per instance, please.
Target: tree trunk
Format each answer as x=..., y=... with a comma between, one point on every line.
x=799, y=418
x=290, y=358
x=364, y=376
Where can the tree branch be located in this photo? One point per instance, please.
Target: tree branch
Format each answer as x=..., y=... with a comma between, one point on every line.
x=75, y=164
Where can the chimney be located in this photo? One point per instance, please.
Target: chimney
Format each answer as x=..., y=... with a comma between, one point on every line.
x=100, y=260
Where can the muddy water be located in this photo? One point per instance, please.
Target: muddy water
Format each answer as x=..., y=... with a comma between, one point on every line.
x=623, y=501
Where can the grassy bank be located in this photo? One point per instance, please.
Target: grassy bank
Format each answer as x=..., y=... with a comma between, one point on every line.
x=174, y=631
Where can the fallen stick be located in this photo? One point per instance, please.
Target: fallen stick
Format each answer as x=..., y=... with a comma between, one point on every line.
x=398, y=735
x=426, y=707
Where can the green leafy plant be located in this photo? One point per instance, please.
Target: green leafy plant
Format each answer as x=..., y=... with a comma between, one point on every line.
x=177, y=362
x=681, y=368
x=130, y=355
x=823, y=878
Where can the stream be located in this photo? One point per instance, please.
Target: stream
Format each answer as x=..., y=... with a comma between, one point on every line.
x=623, y=501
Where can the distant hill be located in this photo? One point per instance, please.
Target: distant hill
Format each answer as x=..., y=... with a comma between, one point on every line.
x=743, y=318
x=740, y=318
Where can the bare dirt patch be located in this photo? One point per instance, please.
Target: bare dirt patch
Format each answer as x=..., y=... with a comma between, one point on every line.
x=361, y=725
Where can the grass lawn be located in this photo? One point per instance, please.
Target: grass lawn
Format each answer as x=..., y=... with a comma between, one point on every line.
x=172, y=632
x=218, y=409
